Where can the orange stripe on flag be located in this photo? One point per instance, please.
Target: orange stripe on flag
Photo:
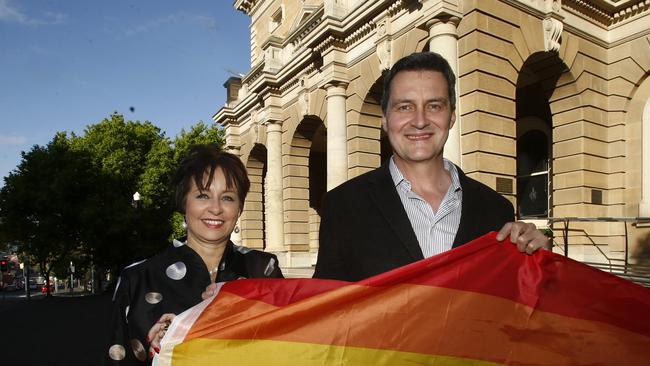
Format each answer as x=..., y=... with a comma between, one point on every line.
x=482, y=302
x=402, y=318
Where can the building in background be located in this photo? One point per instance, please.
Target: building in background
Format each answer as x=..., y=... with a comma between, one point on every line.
x=553, y=109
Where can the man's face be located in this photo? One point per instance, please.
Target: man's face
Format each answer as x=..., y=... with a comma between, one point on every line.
x=418, y=116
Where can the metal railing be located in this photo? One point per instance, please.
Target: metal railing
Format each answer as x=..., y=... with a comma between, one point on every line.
x=633, y=272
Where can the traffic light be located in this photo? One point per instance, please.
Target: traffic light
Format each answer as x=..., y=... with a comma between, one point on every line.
x=3, y=264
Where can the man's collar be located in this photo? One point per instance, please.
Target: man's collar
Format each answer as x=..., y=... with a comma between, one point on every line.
x=395, y=173
x=453, y=172
x=398, y=177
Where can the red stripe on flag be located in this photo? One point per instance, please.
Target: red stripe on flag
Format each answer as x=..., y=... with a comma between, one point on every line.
x=544, y=281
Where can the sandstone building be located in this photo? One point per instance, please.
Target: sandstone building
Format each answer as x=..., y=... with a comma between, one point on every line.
x=553, y=110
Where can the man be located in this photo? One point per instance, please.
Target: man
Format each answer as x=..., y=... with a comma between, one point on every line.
x=417, y=204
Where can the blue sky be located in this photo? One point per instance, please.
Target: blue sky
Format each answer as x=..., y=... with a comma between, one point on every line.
x=70, y=63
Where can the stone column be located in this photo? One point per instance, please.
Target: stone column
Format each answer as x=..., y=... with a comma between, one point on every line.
x=644, y=205
x=232, y=146
x=444, y=40
x=273, y=198
x=337, y=137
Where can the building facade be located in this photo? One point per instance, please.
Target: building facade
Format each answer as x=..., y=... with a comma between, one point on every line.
x=553, y=109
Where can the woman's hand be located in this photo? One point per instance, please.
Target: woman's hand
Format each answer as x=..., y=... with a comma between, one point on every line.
x=157, y=332
x=209, y=291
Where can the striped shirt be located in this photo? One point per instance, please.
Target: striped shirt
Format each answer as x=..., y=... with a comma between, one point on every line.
x=435, y=231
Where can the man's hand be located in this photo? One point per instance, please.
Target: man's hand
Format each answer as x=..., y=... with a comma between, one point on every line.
x=526, y=236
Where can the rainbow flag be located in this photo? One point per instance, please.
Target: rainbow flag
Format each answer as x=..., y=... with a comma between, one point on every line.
x=483, y=303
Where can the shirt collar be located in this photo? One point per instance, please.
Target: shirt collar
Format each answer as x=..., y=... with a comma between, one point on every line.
x=399, y=179
x=396, y=174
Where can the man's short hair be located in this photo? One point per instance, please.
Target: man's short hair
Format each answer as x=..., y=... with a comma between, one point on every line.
x=421, y=61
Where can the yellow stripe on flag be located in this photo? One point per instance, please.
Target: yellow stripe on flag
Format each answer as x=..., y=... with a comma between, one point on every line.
x=208, y=352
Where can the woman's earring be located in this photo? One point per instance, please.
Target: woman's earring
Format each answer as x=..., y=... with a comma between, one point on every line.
x=184, y=223
x=236, y=229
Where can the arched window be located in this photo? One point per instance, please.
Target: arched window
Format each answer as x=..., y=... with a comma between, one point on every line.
x=532, y=174
x=536, y=83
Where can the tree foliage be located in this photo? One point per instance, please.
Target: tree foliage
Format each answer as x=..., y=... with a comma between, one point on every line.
x=132, y=157
x=71, y=200
x=40, y=201
x=200, y=133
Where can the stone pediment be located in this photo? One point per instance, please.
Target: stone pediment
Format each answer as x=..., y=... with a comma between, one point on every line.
x=305, y=13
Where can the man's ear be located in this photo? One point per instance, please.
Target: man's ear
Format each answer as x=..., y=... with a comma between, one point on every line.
x=452, y=120
x=384, y=124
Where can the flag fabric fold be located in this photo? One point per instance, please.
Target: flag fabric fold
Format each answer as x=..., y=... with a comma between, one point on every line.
x=483, y=303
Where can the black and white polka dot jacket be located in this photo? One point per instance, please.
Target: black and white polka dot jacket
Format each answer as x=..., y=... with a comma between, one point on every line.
x=171, y=282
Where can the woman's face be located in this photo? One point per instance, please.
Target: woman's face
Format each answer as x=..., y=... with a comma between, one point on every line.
x=211, y=215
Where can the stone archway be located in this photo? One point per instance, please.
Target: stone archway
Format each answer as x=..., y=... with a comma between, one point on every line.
x=305, y=180
x=369, y=144
x=252, y=219
x=536, y=84
x=637, y=163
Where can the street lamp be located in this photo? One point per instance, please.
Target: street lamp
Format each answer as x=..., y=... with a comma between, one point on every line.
x=71, y=277
x=136, y=205
x=136, y=200
x=25, y=267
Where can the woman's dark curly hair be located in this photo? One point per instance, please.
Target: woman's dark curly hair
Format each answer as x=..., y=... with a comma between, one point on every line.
x=202, y=160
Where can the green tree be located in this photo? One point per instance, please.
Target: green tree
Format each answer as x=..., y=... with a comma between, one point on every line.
x=41, y=199
x=200, y=133
x=132, y=157
x=72, y=199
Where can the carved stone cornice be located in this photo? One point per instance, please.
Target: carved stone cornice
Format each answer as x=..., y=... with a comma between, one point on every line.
x=632, y=10
x=230, y=120
x=289, y=85
x=589, y=10
x=236, y=114
x=360, y=33
x=225, y=116
x=607, y=12
x=331, y=41
x=396, y=7
x=254, y=74
x=271, y=90
x=245, y=6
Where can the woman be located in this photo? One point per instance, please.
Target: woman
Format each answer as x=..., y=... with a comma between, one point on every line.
x=211, y=186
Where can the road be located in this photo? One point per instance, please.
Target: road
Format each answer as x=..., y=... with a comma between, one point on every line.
x=59, y=330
